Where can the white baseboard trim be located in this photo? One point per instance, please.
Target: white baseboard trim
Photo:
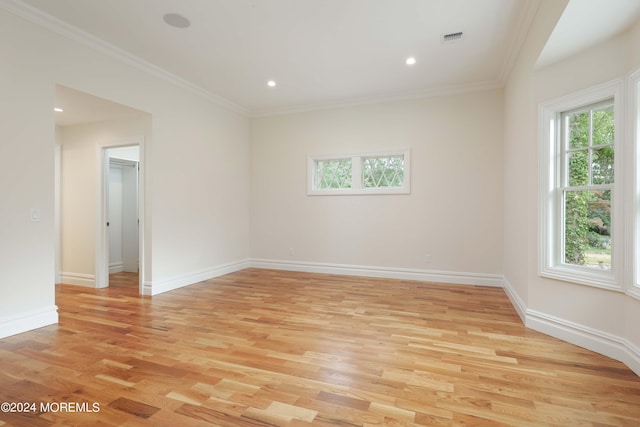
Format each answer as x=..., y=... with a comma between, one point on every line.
x=27, y=321
x=147, y=288
x=516, y=301
x=592, y=339
x=116, y=267
x=78, y=279
x=479, y=279
x=632, y=356
x=156, y=287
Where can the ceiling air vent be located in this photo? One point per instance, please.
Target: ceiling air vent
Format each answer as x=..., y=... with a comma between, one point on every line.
x=452, y=37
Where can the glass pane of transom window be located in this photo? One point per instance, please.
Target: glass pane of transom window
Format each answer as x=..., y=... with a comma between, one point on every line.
x=383, y=171
x=587, y=228
x=334, y=173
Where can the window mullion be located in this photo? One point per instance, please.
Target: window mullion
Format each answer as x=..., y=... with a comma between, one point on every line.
x=590, y=149
x=356, y=172
x=588, y=187
x=563, y=149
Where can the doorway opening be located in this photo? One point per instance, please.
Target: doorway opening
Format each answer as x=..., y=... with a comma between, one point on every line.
x=94, y=136
x=120, y=203
x=119, y=234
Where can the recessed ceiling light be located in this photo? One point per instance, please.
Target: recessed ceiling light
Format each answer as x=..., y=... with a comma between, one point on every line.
x=410, y=60
x=176, y=20
x=58, y=110
x=271, y=83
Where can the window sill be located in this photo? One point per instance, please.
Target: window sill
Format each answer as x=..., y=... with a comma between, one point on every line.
x=634, y=292
x=596, y=279
x=358, y=191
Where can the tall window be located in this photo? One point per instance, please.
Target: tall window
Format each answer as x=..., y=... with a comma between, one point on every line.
x=588, y=170
x=365, y=173
x=581, y=216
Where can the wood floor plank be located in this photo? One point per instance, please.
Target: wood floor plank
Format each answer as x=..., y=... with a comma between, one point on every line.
x=261, y=347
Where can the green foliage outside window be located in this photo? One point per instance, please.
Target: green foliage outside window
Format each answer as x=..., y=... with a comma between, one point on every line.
x=383, y=171
x=334, y=173
x=590, y=163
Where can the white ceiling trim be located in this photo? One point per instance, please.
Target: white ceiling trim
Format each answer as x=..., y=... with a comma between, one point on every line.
x=523, y=23
x=429, y=93
x=54, y=24
x=58, y=26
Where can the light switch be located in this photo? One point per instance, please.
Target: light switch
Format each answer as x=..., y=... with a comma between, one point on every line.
x=35, y=215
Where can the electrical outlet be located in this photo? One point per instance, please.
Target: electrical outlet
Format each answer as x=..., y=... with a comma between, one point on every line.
x=292, y=252
x=427, y=258
x=35, y=215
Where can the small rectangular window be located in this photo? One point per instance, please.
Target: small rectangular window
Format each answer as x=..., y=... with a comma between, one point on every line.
x=364, y=173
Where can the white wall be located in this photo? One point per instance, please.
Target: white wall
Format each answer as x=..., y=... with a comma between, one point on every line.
x=453, y=212
x=81, y=146
x=58, y=204
x=26, y=181
x=196, y=199
x=202, y=193
x=598, y=319
x=520, y=154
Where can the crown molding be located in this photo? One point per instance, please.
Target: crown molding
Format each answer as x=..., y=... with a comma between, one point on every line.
x=356, y=102
x=36, y=16
x=522, y=26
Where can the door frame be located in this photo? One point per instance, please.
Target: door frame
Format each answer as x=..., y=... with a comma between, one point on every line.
x=102, y=211
x=57, y=205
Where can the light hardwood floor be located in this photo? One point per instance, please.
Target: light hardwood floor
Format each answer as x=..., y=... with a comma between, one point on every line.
x=261, y=347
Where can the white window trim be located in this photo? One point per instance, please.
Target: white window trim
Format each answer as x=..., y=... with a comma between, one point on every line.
x=633, y=198
x=356, y=174
x=549, y=257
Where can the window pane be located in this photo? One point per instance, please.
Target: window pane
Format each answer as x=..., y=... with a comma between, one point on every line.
x=578, y=167
x=603, y=126
x=587, y=225
x=602, y=166
x=383, y=172
x=334, y=173
x=578, y=130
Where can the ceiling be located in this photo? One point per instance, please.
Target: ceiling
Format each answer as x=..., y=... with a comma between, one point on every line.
x=327, y=53
x=321, y=53
x=569, y=36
